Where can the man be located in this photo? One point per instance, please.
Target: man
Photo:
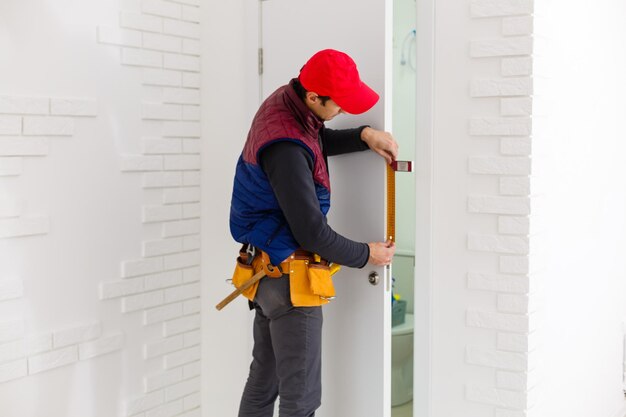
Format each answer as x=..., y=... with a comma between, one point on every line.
x=280, y=199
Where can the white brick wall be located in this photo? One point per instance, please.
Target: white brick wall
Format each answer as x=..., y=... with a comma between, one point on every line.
x=512, y=279
x=162, y=39
x=158, y=42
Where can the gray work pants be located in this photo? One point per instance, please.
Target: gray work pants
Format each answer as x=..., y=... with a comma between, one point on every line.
x=286, y=355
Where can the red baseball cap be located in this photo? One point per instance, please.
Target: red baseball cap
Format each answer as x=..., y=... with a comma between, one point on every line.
x=334, y=74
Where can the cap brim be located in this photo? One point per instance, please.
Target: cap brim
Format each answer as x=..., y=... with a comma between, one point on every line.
x=358, y=101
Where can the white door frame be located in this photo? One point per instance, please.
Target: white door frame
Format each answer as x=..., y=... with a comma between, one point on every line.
x=424, y=156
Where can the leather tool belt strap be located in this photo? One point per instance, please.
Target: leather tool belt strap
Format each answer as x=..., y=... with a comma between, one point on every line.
x=310, y=277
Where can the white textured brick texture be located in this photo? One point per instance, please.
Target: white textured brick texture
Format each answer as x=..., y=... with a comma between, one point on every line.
x=181, y=228
x=501, y=126
x=48, y=126
x=161, y=213
x=494, y=359
x=191, y=369
x=157, y=381
x=499, y=165
x=100, y=347
x=144, y=403
x=492, y=8
x=181, y=357
x=10, y=166
x=515, y=342
x=184, y=292
x=162, y=179
x=179, y=28
x=160, y=146
x=522, y=45
x=182, y=389
x=38, y=343
x=515, y=264
x=20, y=146
x=181, y=95
x=141, y=163
x=516, y=106
x=12, y=351
x=191, y=113
x=53, y=359
x=498, y=282
x=114, y=289
x=191, y=274
x=191, y=242
x=498, y=244
x=13, y=370
x=142, y=301
x=514, y=225
x=164, y=280
x=517, y=26
x=160, y=42
x=191, y=47
x=11, y=288
x=181, y=325
x=76, y=334
x=117, y=36
x=24, y=226
x=191, y=13
x=515, y=146
x=158, y=111
x=498, y=397
x=499, y=205
x=515, y=67
x=140, y=21
x=10, y=125
x=162, y=247
x=142, y=58
x=498, y=321
x=181, y=195
x=161, y=8
x=181, y=62
x=169, y=345
x=141, y=267
x=191, y=80
x=191, y=178
x=181, y=129
x=152, y=76
x=162, y=313
x=23, y=105
x=515, y=186
x=182, y=162
x=501, y=87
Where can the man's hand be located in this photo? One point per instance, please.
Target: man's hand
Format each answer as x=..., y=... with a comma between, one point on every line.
x=381, y=142
x=381, y=253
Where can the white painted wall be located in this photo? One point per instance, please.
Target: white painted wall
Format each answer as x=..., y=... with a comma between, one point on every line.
x=582, y=90
x=99, y=208
x=230, y=96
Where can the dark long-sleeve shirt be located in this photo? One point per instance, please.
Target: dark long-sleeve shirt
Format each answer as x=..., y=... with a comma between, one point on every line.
x=289, y=168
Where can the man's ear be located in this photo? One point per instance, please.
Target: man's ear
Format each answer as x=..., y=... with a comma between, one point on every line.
x=311, y=97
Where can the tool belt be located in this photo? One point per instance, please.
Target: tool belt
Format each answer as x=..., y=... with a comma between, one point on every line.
x=310, y=277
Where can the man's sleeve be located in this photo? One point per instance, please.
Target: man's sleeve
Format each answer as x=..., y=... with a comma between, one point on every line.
x=288, y=167
x=341, y=141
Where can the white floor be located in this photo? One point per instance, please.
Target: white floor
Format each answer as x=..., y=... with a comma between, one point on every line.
x=404, y=410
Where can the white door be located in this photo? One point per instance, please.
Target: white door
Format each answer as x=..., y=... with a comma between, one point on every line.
x=357, y=325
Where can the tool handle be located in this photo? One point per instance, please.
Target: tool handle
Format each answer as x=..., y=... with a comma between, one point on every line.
x=246, y=284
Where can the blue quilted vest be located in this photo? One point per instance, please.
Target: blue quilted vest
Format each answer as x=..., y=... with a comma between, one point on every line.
x=255, y=216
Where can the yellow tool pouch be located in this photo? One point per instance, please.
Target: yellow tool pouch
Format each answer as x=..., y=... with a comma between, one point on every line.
x=244, y=272
x=311, y=284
